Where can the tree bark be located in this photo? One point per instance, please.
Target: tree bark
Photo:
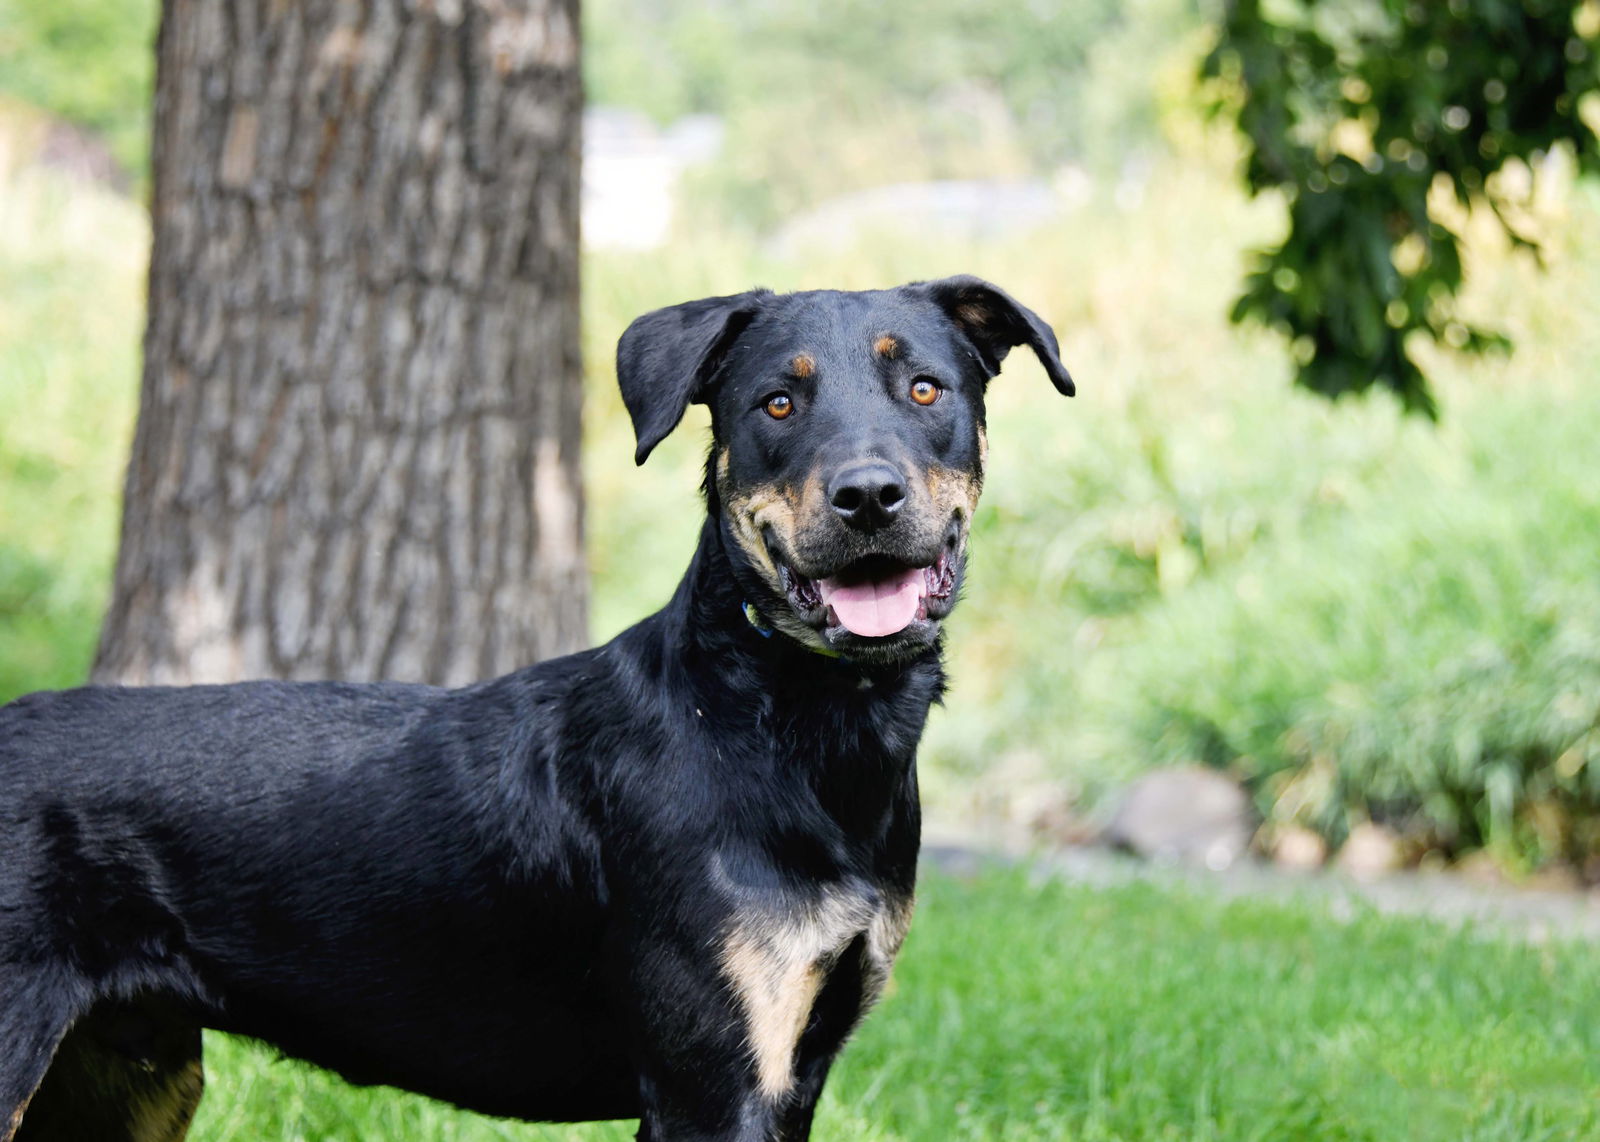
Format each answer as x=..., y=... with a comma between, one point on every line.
x=357, y=448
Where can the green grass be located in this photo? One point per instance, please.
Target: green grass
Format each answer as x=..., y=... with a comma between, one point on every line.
x=1022, y=1010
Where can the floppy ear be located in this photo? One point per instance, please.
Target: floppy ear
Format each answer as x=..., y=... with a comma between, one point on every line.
x=668, y=357
x=994, y=322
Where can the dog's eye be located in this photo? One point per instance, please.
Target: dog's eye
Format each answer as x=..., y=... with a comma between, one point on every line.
x=779, y=406
x=924, y=391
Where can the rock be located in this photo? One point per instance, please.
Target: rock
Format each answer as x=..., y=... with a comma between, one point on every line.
x=1297, y=848
x=1554, y=878
x=1055, y=820
x=83, y=155
x=1481, y=868
x=1185, y=815
x=1371, y=851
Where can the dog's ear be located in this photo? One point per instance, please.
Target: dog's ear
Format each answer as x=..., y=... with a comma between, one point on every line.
x=669, y=357
x=995, y=322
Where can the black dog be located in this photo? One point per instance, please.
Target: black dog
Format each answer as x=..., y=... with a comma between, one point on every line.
x=661, y=879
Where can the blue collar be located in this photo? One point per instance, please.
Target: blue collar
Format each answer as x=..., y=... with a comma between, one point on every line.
x=753, y=617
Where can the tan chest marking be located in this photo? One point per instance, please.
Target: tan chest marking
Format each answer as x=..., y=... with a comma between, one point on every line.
x=885, y=935
x=777, y=962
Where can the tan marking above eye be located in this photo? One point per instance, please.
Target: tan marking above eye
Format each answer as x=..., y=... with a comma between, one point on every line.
x=886, y=346
x=924, y=391
x=779, y=406
x=803, y=365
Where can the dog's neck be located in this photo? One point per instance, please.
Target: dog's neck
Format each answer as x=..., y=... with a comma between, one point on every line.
x=723, y=619
x=850, y=729
x=879, y=707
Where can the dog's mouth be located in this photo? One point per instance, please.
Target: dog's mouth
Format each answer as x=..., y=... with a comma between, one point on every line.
x=875, y=597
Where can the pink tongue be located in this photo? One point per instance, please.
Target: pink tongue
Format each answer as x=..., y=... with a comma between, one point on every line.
x=875, y=609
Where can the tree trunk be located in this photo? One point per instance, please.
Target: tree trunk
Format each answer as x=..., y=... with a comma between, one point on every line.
x=357, y=451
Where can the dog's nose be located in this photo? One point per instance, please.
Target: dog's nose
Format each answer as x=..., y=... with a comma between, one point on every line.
x=867, y=495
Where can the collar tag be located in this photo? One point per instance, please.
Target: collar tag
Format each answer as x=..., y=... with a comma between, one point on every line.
x=753, y=616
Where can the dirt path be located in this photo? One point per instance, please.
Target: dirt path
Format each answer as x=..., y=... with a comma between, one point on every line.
x=1536, y=915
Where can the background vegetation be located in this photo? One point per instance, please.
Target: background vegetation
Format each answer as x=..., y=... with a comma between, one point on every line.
x=92, y=62
x=1381, y=121
x=1361, y=616
x=820, y=99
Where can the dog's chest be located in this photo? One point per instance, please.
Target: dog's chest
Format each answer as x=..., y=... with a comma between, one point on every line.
x=777, y=956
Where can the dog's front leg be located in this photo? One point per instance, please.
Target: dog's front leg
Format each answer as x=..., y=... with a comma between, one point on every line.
x=727, y=1107
x=715, y=1106
x=794, y=1118
x=839, y=1006
x=714, y=1065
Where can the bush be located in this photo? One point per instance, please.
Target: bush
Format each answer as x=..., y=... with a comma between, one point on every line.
x=1424, y=650
x=71, y=273
x=1361, y=616
x=88, y=61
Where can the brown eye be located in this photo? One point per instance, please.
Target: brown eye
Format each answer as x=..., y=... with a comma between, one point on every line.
x=779, y=406
x=924, y=391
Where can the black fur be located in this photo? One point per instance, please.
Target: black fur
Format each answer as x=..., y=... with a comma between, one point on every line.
x=519, y=896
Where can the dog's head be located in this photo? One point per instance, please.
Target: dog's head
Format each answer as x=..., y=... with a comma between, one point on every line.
x=848, y=443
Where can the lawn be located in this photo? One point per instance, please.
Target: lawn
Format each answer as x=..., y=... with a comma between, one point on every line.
x=1023, y=1010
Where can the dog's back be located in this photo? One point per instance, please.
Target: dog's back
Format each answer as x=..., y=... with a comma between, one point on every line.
x=317, y=864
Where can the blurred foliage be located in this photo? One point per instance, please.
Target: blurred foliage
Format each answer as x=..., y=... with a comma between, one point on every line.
x=1382, y=121
x=1418, y=643
x=1360, y=616
x=72, y=263
x=1357, y=614
x=673, y=59
x=89, y=61
x=820, y=99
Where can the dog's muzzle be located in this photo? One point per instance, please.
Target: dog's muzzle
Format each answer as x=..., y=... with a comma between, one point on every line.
x=879, y=596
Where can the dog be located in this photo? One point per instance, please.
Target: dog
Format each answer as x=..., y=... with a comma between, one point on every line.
x=660, y=879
